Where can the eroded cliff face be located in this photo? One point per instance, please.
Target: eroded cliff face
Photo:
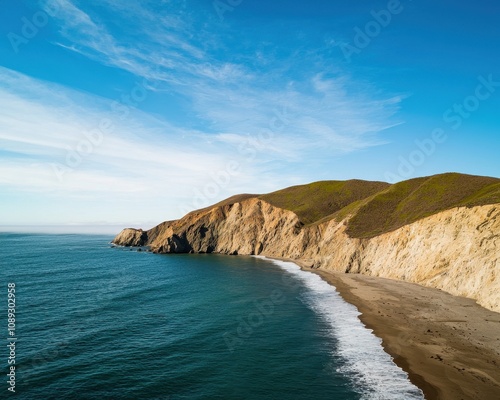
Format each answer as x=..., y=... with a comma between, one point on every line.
x=456, y=250
x=131, y=237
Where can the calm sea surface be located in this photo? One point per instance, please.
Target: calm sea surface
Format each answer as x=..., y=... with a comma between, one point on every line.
x=97, y=322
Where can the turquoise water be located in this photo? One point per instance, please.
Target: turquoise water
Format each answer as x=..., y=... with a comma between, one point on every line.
x=96, y=322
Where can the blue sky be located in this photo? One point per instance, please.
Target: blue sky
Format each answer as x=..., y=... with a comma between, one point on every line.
x=131, y=113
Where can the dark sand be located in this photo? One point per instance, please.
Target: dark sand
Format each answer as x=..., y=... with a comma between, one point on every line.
x=449, y=345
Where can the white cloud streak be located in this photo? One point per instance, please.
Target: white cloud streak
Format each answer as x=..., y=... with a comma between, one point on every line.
x=229, y=96
x=35, y=126
x=322, y=114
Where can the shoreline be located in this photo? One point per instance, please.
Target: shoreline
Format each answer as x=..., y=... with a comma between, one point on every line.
x=448, y=345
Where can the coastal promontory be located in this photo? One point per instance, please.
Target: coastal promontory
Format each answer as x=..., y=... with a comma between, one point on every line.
x=441, y=231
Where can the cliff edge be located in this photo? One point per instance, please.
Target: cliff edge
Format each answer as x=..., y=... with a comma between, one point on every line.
x=441, y=231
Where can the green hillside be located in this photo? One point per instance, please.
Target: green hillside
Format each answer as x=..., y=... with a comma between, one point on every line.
x=318, y=200
x=409, y=201
x=375, y=208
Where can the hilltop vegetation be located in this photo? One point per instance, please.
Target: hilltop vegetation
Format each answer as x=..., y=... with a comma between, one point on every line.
x=378, y=207
x=317, y=200
x=409, y=201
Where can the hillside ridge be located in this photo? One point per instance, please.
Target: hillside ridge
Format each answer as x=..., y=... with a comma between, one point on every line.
x=441, y=231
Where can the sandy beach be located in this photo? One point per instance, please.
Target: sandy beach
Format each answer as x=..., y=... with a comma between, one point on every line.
x=449, y=345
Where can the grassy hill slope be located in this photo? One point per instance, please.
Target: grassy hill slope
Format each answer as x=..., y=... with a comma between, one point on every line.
x=317, y=200
x=378, y=207
x=408, y=201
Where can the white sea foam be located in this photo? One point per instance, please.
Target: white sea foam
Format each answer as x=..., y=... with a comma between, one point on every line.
x=371, y=369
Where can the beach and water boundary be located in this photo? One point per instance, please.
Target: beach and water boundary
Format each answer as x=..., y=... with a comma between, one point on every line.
x=448, y=345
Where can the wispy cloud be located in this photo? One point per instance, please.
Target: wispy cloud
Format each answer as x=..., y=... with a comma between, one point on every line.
x=155, y=48
x=41, y=124
x=233, y=99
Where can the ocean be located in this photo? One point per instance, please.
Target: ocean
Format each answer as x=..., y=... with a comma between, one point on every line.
x=93, y=321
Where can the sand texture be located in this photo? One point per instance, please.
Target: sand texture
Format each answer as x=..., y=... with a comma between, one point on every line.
x=449, y=345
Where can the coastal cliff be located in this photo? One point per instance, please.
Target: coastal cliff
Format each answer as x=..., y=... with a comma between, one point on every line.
x=441, y=231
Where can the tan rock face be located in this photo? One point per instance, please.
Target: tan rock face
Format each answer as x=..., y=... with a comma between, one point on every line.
x=131, y=237
x=456, y=250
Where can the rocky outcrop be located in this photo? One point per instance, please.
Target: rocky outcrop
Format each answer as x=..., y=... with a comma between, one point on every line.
x=137, y=237
x=131, y=237
x=456, y=250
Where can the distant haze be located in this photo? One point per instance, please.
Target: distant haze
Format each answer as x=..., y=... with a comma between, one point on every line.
x=61, y=229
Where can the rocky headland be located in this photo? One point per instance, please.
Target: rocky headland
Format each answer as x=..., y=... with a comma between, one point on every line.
x=436, y=238
x=441, y=231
